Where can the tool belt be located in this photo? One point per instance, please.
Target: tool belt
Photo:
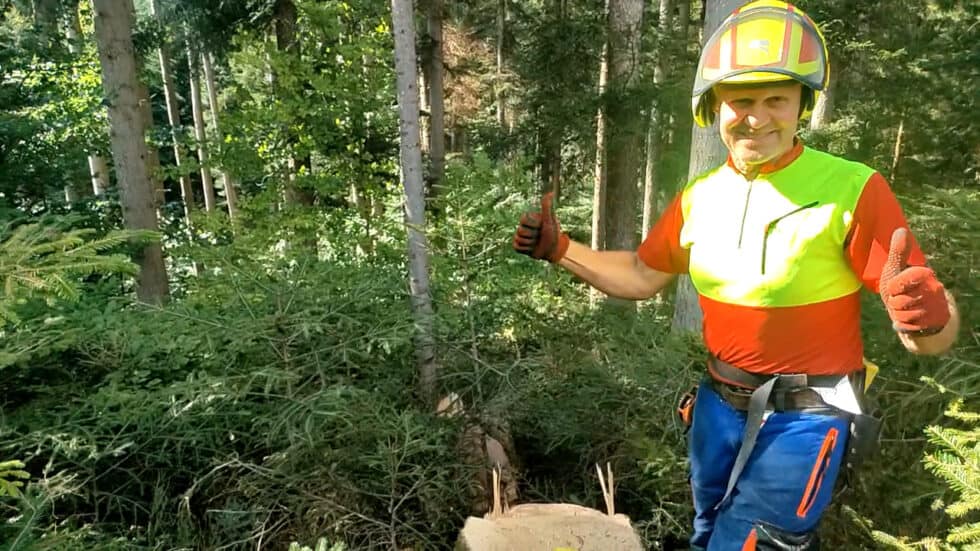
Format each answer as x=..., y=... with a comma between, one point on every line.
x=790, y=392
x=755, y=394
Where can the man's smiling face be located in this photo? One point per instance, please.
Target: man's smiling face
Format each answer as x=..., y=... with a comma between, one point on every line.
x=758, y=122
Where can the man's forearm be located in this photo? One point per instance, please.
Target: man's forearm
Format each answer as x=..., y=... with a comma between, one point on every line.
x=939, y=343
x=616, y=273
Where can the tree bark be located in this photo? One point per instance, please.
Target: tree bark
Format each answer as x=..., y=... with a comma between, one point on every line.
x=424, y=118
x=285, y=27
x=655, y=132
x=624, y=128
x=599, y=185
x=500, y=97
x=97, y=166
x=46, y=14
x=46, y=18
x=437, y=129
x=200, y=132
x=152, y=154
x=173, y=117
x=897, y=156
x=411, y=171
x=823, y=111
x=684, y=20
x=227, y=180
x=707, y=151
x=99, y=171
x=113, y=31
x=677, y=116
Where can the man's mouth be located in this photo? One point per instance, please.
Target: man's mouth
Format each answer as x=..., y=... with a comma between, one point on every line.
x=754, y=135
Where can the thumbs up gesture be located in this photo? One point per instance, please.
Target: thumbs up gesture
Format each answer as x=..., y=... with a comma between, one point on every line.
x=915, y=299
x=539, y=234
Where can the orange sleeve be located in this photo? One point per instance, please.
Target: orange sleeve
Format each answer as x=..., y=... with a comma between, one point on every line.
x=661, y=250
x=876, y=217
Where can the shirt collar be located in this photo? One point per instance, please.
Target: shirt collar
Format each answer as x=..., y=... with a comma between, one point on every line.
x=779, y=163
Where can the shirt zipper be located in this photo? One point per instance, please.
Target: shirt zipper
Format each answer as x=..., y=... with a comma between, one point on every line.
x=745, y=211
x=771, y=225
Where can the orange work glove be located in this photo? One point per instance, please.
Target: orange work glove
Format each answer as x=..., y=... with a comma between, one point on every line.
x=915, y=299
x=539, y=235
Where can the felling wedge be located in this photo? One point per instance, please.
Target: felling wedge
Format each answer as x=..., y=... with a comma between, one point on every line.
x=550, y=526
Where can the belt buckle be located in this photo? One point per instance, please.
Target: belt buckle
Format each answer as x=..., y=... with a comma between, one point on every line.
x=793, y=380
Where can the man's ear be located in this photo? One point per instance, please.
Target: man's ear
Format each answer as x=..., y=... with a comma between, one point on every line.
x=807, y=99
x=709, y=106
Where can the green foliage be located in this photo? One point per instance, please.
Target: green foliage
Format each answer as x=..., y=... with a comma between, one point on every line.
x=52, y=115
x=896, y=493
x=44, y=261
x=909, y=62
x=273, y=401
x=957, y=463
x=10, y=471
x=329, y=104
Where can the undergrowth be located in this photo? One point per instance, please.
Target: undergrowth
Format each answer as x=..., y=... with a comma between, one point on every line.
x=273, y=402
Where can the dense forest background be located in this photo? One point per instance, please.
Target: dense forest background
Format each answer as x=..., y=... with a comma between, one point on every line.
x=245, y=252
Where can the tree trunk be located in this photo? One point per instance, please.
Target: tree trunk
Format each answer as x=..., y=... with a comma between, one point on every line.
x=549, y=162
x=624, y=128
x=173, y=117
x=96, y=164
x=653, y=148
x=403, y=28
x=678, y=116
x=437, y=129
x=655, y=131
x=113, y=30
x=285, y=25
x=599, y=185
x=200, y=132
x=152, y=154
x=684, y=20
x=499, y=87
x=899, y=136
x=364, y=207
x=46, y=22
x=707, y=151
x=424, y=109
x=823, y=111
x=46, y=18
x=227, y=180
x=100, y=174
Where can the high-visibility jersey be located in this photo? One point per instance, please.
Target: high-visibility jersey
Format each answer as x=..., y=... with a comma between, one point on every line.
x=778, y=262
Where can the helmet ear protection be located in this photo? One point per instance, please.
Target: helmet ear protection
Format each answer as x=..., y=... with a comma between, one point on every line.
x=763, y=41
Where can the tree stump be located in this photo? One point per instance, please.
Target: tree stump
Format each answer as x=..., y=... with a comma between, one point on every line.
x=549, y=526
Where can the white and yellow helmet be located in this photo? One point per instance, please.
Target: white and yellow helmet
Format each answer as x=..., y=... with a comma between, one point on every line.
x=763, y=41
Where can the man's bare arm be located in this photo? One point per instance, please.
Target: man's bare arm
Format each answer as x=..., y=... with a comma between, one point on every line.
x=619, y=274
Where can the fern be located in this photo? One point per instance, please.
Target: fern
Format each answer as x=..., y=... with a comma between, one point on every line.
x=38, y=260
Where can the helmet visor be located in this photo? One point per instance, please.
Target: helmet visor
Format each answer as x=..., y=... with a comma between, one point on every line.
x=764, y=45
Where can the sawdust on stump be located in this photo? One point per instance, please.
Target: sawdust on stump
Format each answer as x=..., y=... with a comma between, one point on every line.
x=545, y=527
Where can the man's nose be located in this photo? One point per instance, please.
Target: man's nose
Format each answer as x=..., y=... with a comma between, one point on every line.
x=757, y=118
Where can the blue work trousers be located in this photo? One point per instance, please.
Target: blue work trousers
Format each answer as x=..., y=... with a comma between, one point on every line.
x=787, y=482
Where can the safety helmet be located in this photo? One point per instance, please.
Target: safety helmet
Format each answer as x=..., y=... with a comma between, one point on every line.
x=763, y=41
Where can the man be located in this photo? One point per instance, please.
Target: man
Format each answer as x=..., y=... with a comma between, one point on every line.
x=778, y=241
